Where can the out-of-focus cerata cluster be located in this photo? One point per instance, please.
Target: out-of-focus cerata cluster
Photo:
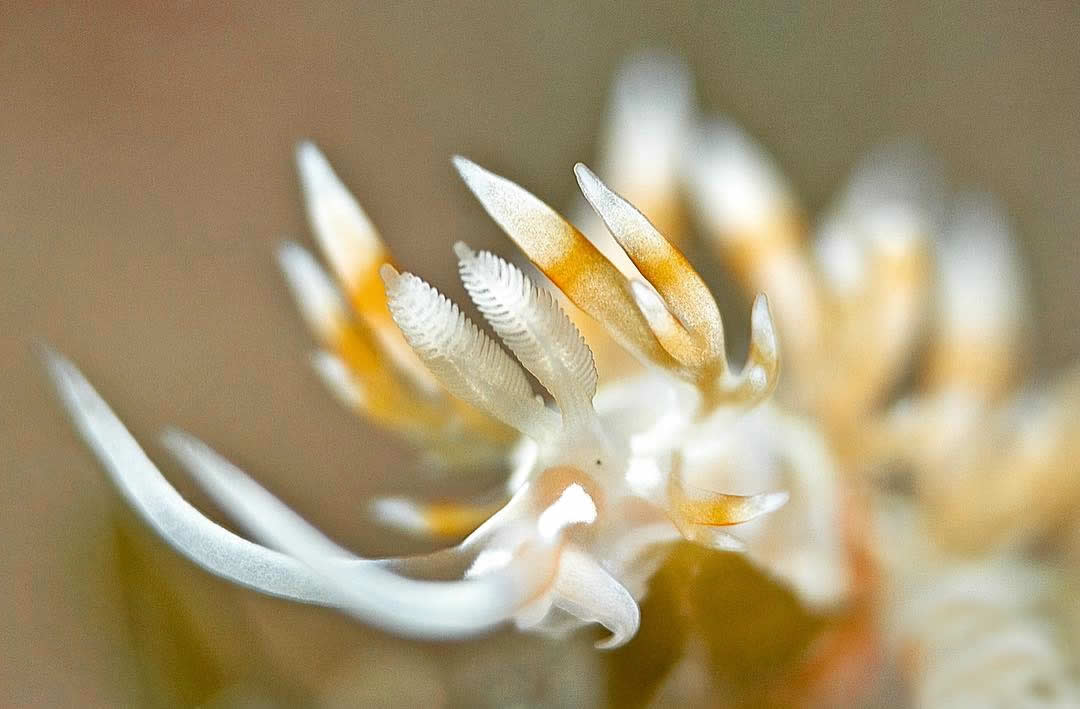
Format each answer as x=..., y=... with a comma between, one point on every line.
x=915, y=481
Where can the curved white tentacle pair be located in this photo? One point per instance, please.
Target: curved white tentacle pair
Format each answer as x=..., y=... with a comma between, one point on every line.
x=307, y=566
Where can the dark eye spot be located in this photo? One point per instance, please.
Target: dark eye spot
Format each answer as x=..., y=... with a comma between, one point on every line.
x=598, y=461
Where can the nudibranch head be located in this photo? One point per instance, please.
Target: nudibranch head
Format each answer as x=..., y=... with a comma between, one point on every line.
x=597, y=489
x=581, y=486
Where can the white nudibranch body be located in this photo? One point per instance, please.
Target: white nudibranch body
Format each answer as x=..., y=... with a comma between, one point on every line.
x=921, y=480
x=597, y=488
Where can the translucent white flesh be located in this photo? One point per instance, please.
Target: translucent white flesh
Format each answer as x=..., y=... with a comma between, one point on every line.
x=313, y=569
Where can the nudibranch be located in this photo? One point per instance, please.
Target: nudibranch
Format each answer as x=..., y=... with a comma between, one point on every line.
x=597, y=491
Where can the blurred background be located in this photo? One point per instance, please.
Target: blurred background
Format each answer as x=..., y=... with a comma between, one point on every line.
x=147, y=179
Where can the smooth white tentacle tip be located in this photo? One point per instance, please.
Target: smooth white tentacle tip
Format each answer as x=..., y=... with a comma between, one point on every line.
x=623, y=626
x=247, y=502
x=186, y=529
x=78, y=396
x=55, y=364
x=616, y=640
x=718, y=539
x=474, y=175
x=651, y=103
x=205, y=465
x=591, y=185
x=322, y=187
x=653, y=80
x=463, y=252
x=494, y=192
x=982, y=287
x=344, y=231
x=338, y=379
x=649, y=303
x=621, y=217
x=771, y=502
x=388, y=274
x=762, y=328
x=735, y=183
x=91, y=415
x=320, y=303
x=315, y=171
x=401, y=514
x=901, y=176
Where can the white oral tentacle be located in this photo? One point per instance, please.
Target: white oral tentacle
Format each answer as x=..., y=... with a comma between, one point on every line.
x=344, y=231
x=425, y=608
x=209, y=545
x=313, y=569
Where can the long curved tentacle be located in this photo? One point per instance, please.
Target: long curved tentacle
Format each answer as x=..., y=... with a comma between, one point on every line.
x=441, y=609
x=209, y=545
x=313, y=569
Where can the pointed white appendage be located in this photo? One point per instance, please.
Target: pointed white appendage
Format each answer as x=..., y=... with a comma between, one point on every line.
x=683, y=290
x=538, y=230
x=754, y=224
x=345, y=234
x=576, y=267
x=763, y=503
x=424, y=608
x=982, y=300
x=873, y=250
x=320, y=303
x=734, y=183
x=246, y=501
x=535, y=329
x=669, y=332
x=676, y=303
x=882, y=219
x=338, y=379
x=209, y=545
x=313, y=569
x=584, y=589
x=895, y=189
x=649, y=119
x=401, y=514
x=760, y=373
x=463, y=358
x=650, y=114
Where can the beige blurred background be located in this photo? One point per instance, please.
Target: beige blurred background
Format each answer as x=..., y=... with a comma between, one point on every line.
x=146, y=178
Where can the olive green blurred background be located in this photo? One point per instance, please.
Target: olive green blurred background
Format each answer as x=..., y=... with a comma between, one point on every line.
x=146, y=177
